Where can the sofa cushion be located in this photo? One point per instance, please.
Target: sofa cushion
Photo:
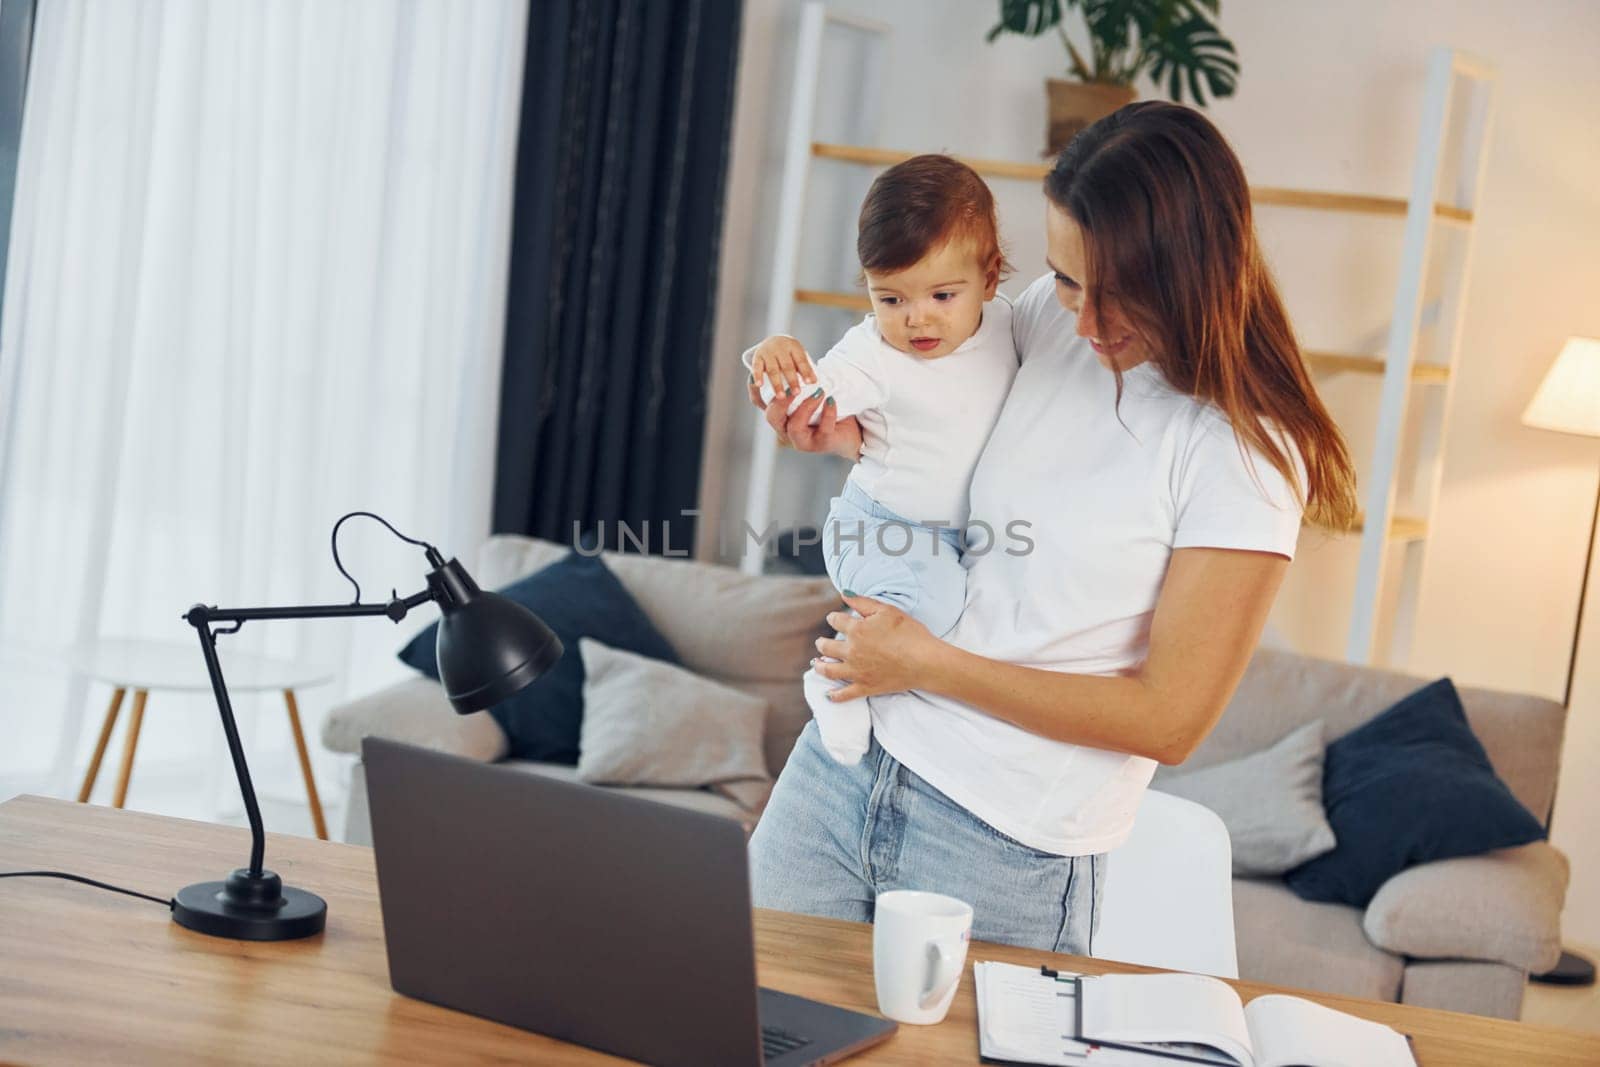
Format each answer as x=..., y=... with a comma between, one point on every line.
x=646, y=722
x=417, y=712
x=787, y=715
x=755, y=634
x=694, y=799
x=1503, y=906
x=504, y=558
x=1288, y=941
x=724, y=624
x=1281, y=690
x=1270, y=801
x=1470, y=986
x=577, y=597
x=1412, y=785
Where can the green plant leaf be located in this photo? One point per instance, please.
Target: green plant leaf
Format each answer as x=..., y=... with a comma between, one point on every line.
x=1028, y=18
x=1112, y=23
x=1193, y=55
x=1172, y=40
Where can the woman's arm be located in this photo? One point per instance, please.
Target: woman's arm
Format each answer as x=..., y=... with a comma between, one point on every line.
x=1208, y=618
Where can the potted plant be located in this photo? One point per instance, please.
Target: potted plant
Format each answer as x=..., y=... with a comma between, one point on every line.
x=1173, y=41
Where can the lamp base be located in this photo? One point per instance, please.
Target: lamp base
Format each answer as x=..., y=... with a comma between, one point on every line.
x=250, y=908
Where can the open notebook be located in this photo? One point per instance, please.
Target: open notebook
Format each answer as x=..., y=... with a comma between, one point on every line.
x=1206, y=1015
x=1028, y=1017
x=1146, y=1019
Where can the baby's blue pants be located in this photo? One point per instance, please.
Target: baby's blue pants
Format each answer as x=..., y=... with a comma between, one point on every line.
x=875, y=553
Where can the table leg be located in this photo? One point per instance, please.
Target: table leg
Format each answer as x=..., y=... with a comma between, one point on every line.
x=305, y=764
x=128, y=747
x=100, y=746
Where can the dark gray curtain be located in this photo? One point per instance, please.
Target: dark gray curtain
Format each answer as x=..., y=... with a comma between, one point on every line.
x=626, y=115
x=16, y=52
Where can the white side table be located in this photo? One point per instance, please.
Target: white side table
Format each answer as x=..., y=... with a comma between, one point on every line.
x=145, y=665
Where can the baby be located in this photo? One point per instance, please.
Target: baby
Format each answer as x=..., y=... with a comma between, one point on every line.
x=925, y=374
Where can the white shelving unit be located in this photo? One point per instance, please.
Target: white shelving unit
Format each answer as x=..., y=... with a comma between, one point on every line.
x=1451, y=144
x=783, y=294
x=1405, y=470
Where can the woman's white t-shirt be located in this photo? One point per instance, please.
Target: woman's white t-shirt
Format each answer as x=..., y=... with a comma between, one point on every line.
x=1087, y=500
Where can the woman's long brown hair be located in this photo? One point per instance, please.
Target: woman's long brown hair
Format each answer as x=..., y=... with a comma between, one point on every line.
x=1169, y=235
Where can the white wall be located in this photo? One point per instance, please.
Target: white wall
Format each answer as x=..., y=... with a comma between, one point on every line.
x=1329, y=99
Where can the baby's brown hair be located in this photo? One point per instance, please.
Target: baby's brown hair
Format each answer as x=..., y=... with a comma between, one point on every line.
x=917, y=206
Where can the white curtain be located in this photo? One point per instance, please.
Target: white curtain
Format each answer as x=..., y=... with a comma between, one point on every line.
x=257, y=279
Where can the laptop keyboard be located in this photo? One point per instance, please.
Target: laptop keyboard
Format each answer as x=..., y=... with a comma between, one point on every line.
x=775, y=1042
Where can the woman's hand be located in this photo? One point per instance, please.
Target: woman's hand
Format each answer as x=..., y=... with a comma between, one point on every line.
x=842, y=437
x=884, y=651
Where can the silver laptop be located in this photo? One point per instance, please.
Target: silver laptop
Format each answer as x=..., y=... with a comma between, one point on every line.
x=594, y=917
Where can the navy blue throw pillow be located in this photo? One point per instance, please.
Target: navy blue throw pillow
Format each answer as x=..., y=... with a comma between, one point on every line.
x=576, y=597
x=1410, y=786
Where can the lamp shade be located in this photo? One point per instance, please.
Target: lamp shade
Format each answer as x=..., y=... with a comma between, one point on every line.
x=1568, y=400
x=488, y=646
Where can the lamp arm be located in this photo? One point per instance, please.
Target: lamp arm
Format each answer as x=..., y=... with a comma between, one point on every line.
x=258, y=838
x=202, y=616
x=396, y=609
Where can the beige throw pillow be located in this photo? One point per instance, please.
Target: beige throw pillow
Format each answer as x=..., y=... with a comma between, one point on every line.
x=647, y=722
x=1270, y=801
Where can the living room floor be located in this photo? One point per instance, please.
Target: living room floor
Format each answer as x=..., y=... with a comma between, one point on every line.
x=1568, y=1007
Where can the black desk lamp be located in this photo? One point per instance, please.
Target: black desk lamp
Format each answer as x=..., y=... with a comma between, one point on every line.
x=488, y=648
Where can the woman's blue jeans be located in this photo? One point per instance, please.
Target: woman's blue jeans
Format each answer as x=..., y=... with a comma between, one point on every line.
x=833, y=837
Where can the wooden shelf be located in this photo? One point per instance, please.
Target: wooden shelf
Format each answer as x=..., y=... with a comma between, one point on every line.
x=888, y=157
x=844, y=301
x=1335, y=362
x=1401, y=528
x=1323, y=361
x=1260, y=194
x=1352, y=202
x=1405, y=528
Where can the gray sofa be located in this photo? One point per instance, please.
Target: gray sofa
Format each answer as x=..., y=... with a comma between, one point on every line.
x=1460, y=934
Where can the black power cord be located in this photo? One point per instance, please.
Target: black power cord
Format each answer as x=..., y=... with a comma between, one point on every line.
x=334, y=543
x=86, y=881
x=334, y=540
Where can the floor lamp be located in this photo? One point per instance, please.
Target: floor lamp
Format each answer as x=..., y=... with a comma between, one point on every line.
x=1568, y=401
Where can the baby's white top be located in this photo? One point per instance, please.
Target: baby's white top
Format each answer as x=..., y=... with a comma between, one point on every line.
x=924, y=422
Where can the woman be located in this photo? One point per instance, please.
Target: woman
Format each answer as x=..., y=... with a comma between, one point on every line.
x=1157, y=449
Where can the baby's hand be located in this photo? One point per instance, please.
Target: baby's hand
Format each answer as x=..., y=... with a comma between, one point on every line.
x=782, y=363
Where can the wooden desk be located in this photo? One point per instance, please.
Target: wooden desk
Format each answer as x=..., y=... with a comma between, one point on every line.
x=89, y=975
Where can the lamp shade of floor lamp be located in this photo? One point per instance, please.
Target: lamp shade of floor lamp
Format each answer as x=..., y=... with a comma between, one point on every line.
x=1568, y=401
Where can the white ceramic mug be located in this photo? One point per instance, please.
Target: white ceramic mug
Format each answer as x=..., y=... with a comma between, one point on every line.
x=919, y=945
